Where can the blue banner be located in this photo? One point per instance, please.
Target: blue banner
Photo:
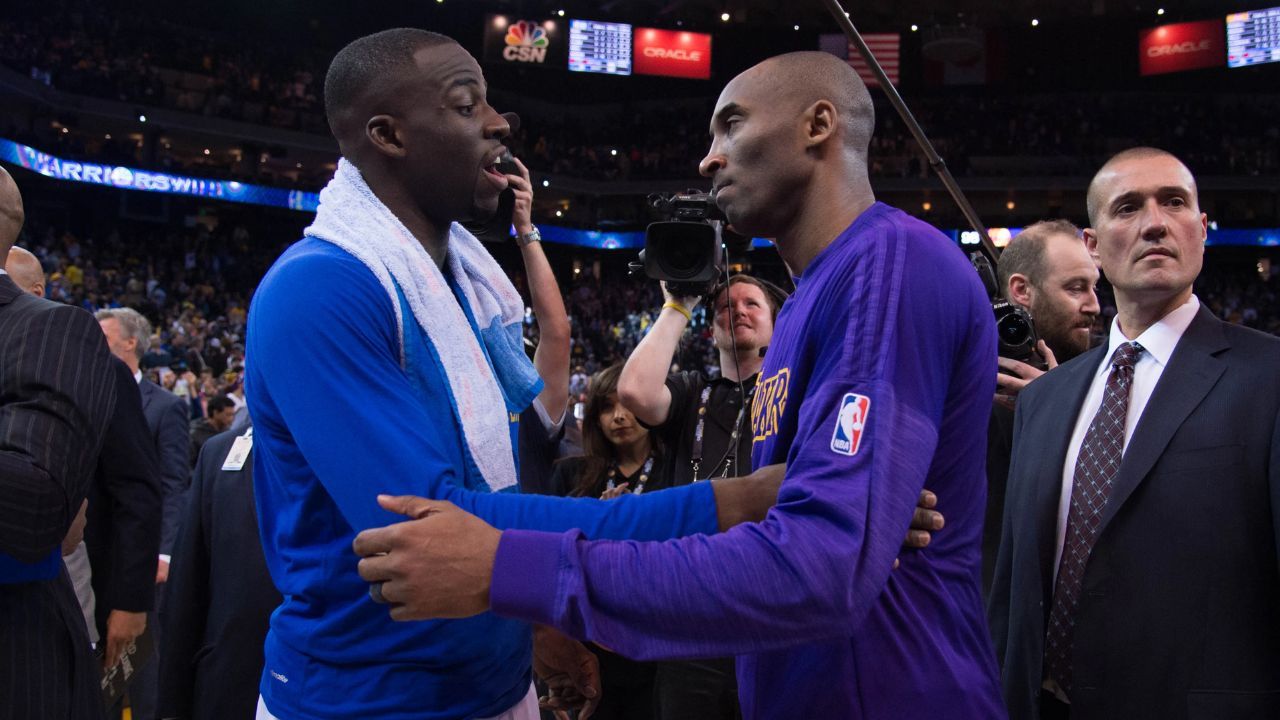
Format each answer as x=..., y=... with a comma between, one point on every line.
x=126, y=178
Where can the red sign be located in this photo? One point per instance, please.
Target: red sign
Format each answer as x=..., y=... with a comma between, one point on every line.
x=673, y=53
x=1182, y=46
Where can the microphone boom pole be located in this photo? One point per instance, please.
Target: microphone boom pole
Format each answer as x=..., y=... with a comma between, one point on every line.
x=935, y=161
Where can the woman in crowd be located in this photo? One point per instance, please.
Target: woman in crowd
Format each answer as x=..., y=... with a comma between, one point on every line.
x=619, y=456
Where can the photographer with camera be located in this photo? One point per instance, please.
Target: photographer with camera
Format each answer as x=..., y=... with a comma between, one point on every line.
x=1048, y=271
x=704, y=420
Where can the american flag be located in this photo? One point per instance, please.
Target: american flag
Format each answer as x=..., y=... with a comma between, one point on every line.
x=884, y=46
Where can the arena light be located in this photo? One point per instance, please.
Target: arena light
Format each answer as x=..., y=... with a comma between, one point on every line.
x=1035, y=22
x=915, y=28
x=142, y=118
x=724, y=17
x=1160, y=11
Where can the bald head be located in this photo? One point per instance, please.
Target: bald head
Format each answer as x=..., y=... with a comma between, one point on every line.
x=363, y=78
x=25, y=271
x=1095, y=199
x=11, y=214
x=800, y=79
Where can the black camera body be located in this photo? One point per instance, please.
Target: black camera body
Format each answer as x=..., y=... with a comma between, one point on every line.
x=686, y=250
x=1015, y=329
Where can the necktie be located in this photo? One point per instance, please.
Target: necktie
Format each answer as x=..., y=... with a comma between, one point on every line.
x=1096, y=467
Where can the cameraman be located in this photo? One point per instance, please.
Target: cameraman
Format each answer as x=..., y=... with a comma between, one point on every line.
x=707, y=425
x=673, y=405
x=1047, y=270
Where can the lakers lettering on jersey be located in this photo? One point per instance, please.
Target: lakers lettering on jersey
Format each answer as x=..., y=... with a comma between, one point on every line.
x=769, y=404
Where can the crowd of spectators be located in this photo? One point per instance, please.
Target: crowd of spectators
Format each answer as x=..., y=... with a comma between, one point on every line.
x=88, y=49
x=195, y=285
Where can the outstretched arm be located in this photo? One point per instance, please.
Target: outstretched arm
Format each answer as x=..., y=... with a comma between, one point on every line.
x=345, y=381
x=642, y=386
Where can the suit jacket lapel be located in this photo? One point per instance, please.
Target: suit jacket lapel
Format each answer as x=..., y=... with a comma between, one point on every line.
x=1059, y=422
x=9, y=290
x=147, y=388
x=1191, y=374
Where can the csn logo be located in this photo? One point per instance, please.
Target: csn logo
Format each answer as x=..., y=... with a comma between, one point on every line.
x=674, y=54
x=1179, y=48
x=526, y=42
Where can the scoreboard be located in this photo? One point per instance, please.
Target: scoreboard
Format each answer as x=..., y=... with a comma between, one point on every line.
x=600, y=47
x=1253, y=37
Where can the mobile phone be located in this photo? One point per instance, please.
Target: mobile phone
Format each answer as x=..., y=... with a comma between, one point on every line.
x=507, y=164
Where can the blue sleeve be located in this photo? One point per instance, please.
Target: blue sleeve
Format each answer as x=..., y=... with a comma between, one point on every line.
x=820, y=559
x=325, y=348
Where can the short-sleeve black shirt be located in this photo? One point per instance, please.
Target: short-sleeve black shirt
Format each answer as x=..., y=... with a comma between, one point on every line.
x=677, y=432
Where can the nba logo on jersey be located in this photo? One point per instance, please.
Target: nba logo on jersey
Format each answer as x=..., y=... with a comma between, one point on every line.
x=849, y=424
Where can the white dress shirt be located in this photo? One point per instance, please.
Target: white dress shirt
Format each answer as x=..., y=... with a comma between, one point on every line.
x=1158, y=342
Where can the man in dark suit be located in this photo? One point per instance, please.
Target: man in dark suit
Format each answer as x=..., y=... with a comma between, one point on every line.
x=129, y=336
x=122, y=524
x=55, y=381
x=220, y=596
x=1137, y=575
x=123, y=530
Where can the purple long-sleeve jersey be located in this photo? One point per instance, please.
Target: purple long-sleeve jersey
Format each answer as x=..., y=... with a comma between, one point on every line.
x=878, y=382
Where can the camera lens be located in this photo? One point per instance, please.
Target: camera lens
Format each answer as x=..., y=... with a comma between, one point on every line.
x=683, y=259
x=1013, y=329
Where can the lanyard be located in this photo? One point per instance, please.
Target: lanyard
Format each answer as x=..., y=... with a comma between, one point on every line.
x=730, y=459
x=644, y=476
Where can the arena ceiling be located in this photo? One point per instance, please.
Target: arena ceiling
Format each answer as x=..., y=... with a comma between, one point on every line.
x=883, y=14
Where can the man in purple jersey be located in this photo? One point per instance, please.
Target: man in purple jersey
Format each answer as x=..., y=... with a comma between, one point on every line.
x=877, y=383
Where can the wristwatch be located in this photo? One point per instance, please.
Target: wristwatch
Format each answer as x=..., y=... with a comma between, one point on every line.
x=532, y=236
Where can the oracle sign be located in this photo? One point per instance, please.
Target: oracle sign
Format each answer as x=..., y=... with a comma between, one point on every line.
x=1181, y=46
x=673, y=53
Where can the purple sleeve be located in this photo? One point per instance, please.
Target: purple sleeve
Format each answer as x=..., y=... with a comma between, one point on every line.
x=808, y=572
x=821, y=559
